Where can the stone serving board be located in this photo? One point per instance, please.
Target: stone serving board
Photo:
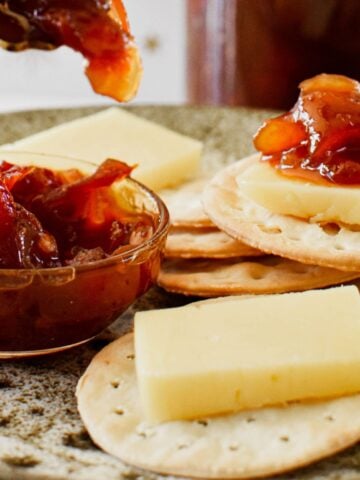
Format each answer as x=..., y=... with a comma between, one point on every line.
x=41, y=434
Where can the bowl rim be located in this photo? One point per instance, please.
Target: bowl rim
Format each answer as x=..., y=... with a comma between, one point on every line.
x=162, y=227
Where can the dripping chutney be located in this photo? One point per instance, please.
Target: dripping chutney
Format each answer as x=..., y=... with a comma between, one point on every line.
x=319, y=138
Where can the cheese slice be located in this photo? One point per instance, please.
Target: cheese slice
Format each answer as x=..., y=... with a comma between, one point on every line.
x=212, y=358
x=164, y=158
x=288, y=196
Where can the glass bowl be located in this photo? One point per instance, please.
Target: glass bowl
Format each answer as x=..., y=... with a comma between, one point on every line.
x=51, y=309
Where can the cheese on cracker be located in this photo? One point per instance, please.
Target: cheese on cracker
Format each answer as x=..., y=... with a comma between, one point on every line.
x=289, y=196
x=164, y=158
x=247, y=444
x=208, y=359
x=334, y=246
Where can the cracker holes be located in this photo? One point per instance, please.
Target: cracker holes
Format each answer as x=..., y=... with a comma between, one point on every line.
x=145, y=434
x=257, y=275
x=250, y=419
x=115, y=384
x=233, y=447
x=182, y=446
x=204, y=423
x=270, y=230
x=256, y=271
x=294, y=238
x=331, y=229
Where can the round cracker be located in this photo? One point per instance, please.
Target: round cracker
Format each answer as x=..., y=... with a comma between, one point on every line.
x=282, y=235
x=185, y=207
x=266, y=274
x=205, y=243
x=247, y=444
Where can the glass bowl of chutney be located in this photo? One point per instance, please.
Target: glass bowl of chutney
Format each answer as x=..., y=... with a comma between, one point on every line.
x=49, y=309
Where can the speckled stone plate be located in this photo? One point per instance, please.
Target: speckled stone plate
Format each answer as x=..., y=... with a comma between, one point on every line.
x=41, y=434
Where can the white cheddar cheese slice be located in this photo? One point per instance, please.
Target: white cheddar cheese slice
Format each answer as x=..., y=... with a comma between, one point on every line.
x=212, y=358
x=164, y=158
x=288, y=196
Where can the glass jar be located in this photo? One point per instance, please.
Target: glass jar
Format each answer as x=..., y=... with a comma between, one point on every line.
x=256, y=52
x=46, y=310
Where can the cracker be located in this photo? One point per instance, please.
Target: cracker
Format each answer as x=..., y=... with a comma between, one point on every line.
x=248, y=444
x=205, y=243
x=266, y=274
x=185, y=207
x=327, y=245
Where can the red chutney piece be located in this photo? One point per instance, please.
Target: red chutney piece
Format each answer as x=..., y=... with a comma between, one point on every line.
x=50, y=218
x=319, y=139
x=98, y=29
x=23, y=241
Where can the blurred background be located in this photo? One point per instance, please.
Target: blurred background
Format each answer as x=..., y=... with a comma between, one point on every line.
x=37, y=79
x=223, y=52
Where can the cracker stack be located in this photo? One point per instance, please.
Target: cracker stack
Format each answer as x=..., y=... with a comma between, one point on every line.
x=202, y=259
x=334, y=246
